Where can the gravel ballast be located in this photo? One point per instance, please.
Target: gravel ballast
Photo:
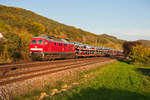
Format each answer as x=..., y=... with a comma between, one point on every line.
x=9, y=91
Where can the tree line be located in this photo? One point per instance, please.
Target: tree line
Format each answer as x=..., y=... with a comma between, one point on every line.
x=137, y=51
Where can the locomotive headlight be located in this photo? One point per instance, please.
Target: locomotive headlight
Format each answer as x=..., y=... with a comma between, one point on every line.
x=39, y=49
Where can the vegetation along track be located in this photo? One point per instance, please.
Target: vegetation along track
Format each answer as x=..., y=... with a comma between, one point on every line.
x=20, y=72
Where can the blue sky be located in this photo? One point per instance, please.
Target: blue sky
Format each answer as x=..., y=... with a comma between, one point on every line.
x=125, y=19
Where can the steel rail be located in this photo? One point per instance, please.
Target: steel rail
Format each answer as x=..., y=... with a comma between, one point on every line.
x=49, y=72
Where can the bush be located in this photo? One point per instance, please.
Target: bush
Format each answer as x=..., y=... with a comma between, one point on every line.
x=127, y=46
x=140, y=54
x=12, y=46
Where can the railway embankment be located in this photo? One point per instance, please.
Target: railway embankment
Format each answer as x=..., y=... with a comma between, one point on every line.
x=116, y=81
x=23, y=80
x=112, y=81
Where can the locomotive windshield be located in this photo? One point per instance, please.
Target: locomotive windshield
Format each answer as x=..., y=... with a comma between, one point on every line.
x=40, y=42
x=33, y=42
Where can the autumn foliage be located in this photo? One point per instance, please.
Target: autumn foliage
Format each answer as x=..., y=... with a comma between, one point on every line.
x=19, y=25
x=140, y=54
x=127, y=46
x=137, y=52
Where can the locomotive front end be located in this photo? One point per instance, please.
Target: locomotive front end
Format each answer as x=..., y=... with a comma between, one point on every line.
x=37, y=48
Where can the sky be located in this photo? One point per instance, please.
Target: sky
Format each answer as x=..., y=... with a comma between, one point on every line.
x=125, y=19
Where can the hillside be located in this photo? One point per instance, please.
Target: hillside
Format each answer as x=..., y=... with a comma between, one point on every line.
x=17, y=20
x=145, y=42
x=18, y=26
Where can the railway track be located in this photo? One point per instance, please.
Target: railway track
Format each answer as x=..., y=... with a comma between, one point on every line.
x=21, y=72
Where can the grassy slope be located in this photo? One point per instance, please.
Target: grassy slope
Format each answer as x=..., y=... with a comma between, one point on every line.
x=118, y=81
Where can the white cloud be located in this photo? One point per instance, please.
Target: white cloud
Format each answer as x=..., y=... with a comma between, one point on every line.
x=131, y=34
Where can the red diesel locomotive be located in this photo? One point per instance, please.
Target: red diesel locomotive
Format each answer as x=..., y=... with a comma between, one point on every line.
x=47, y=48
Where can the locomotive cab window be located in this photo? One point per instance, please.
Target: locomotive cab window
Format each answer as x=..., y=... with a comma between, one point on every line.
x=46, y=43
x=33, y=42
x=65, y=45
x=40, y=42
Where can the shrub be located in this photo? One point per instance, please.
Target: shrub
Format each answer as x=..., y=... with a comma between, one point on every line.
x=127, y=46
x=140, y=54
x=12, y=46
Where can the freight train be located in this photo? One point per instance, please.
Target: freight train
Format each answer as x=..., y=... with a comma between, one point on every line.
x=48, y=48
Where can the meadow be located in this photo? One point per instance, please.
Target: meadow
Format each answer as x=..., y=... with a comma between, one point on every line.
x=117, y=81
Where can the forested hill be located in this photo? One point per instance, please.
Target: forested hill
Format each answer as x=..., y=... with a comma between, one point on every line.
x=18, y=20
x=145, y=43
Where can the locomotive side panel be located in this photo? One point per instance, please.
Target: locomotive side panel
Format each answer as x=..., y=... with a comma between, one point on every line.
x=45, y=48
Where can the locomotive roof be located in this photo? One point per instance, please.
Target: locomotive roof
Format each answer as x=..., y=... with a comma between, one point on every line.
x=74, y=43
x=54, y=39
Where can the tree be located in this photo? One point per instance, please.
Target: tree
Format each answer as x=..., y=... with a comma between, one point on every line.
x=4, y=27
x=25, y=40
x=13, y=46
x=36, y=28
x=127, y=46
x=1, y=46
x=140, y=54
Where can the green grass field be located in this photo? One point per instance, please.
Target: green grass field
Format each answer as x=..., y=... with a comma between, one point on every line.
x=117, y=81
